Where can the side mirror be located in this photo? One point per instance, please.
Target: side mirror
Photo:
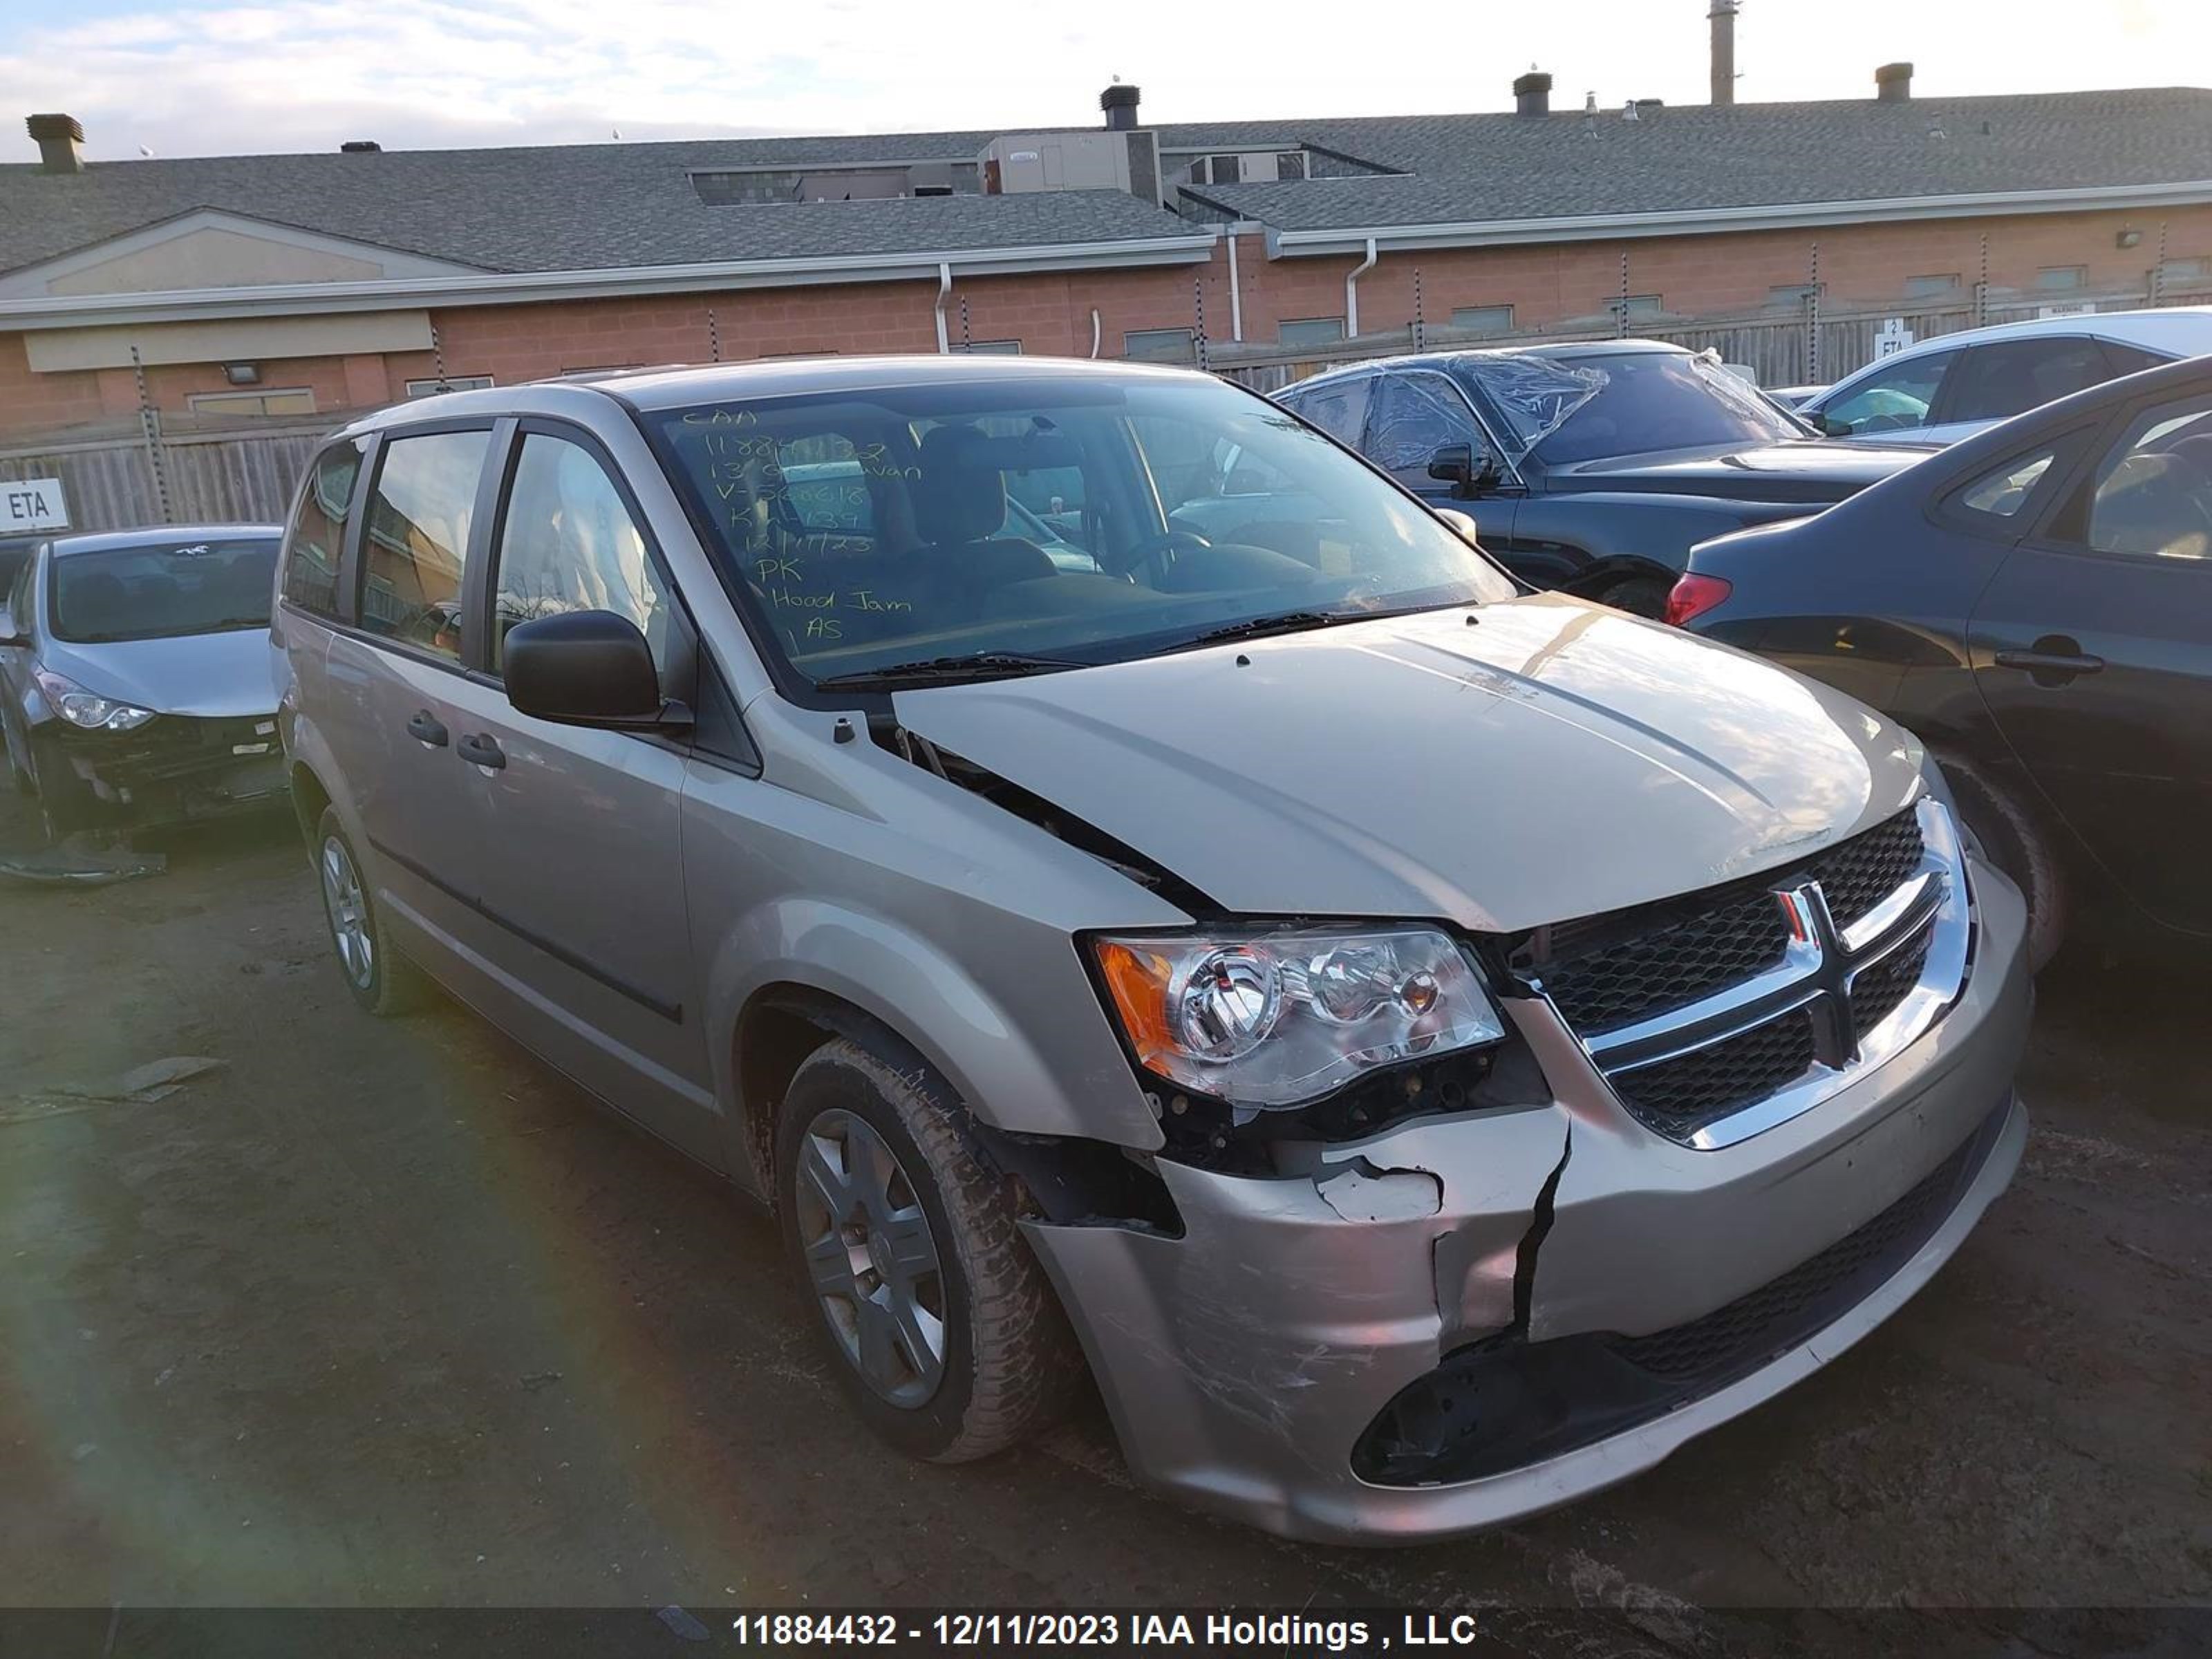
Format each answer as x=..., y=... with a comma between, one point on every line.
x=1456, y=465
x=1468, y=531
x=1831, y=427
x=585, y=668
x=9, y=635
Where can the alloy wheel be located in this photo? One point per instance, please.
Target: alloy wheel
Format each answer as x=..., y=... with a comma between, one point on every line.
x=348, y=909
x=871, y=1257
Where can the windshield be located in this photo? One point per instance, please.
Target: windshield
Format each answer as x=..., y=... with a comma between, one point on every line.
x=1064, y=519
x=161, y=589
x=1630, y=403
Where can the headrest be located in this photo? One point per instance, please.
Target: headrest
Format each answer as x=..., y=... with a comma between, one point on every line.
x=962, y=496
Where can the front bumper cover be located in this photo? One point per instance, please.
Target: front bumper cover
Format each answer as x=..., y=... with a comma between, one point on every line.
x=1242, y=1362
x=174, y=768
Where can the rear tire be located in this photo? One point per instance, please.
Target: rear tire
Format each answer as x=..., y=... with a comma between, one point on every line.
x=379, y=978
x=941, y=1324
x=1639, y=596
x=2012, y=839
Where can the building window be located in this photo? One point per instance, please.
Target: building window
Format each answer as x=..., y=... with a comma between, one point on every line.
x=1483, y=320
x=270, y=400
x=1637, y=307
x=2185, y=270
x=1931, y=287
x=2052, y=278
x=993, y=348
x=1290, y=164
x=1796, y=295
x=1160, y=345
x=451, y=383
x=1311, y=331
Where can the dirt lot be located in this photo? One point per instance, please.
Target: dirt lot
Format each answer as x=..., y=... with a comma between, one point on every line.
x=387, y=1314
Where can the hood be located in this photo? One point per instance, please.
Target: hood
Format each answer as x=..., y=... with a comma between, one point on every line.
x=1554, y=759
x=213, y=676
x=1812, y=470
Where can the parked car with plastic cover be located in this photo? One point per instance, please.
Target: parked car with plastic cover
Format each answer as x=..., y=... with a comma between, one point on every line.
x=1592, y=467
x=2036, y=604
x=134, y=679
x=1426, y=1049
x=1952, y=385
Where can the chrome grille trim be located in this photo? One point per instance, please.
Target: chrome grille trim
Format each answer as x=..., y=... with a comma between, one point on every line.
x=1814, y=978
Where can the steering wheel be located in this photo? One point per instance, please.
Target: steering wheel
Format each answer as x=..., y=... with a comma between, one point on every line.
x=1151, y=557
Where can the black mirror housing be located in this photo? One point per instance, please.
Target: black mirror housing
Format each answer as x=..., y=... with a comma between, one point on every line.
x=582, y=668
x=1468, y=475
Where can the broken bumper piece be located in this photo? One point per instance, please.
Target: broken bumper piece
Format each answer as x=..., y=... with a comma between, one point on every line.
x=177, y=769
x=1467, y=1319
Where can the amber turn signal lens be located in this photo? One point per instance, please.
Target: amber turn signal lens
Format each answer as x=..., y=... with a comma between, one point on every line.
x=1137, y=979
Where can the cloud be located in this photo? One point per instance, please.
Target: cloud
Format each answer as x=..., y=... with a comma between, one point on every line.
x=203, y=76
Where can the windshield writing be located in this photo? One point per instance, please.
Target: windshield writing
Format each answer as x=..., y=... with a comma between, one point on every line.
x=1064, y=518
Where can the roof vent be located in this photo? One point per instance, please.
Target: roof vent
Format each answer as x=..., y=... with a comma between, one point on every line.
x=360, y=147
x=1120, y=103
x=1532, y=93
x=1893, y=82
x=59, y=139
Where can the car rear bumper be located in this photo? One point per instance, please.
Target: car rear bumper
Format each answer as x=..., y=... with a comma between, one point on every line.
x=1598, y=1296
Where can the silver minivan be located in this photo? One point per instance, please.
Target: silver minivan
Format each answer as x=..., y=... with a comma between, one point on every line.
x=1423, y=1049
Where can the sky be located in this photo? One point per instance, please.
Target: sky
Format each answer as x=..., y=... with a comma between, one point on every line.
x=203, y=77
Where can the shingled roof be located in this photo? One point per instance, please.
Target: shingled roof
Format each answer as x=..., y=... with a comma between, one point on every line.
x=593, y=207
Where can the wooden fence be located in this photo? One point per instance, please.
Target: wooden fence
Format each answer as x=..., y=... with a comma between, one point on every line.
x=230, y=476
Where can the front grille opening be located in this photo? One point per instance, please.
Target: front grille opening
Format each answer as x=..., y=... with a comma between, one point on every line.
x=1678, y=1097
x=1876, y=991
x=1867, y=869
x=1671, y=967
x=1505, y=1403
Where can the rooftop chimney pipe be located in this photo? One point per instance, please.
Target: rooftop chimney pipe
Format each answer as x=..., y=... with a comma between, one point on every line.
x=1120, y=103
x=360, y=147
x=1532, y=93
x=58, y=137
x=1892, y=83
x=1723, y=16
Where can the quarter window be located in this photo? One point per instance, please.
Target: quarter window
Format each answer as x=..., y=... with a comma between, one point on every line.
x=2152, y=495
x=312, y=552
x=2002, y=493
x=1894, y=398
x=567, y=541
x=418, y=538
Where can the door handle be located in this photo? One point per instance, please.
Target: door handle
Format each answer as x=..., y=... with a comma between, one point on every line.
x=427, y=727
x=2053, y=660
x=478, y=749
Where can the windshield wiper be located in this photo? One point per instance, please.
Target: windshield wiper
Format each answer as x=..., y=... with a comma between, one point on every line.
x=969, y=665
x=1292, y=621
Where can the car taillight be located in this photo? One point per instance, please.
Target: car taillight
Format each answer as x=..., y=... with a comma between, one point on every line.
x=1695, y=594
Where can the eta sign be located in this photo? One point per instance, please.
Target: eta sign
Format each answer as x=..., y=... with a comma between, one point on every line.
x=32, y=504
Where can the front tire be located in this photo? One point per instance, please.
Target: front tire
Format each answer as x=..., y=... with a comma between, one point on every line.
x=940, y=1324
x=381, y=979
x=2013, y=841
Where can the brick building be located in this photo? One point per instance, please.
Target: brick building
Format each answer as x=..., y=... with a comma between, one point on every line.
x=310, y=285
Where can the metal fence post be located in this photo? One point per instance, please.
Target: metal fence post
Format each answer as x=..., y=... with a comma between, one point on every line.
x=150, y=428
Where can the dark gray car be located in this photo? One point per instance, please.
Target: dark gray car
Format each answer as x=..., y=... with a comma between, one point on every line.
x=135, y=676
x=1429, y=1050
x=1590, y=467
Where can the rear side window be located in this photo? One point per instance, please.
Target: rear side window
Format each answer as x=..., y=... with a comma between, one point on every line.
x=1339, y=409
x=2129, y=360
x=418, y=540
x=313, y=548
x=1998, y=381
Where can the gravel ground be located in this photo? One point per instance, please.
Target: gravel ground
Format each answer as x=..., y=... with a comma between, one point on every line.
x=388, y=1315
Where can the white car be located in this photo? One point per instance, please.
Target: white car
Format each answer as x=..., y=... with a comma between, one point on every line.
x=1948, y=388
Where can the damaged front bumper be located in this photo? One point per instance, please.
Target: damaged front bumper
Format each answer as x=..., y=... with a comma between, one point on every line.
x=175, y=768
x=1554, y=1297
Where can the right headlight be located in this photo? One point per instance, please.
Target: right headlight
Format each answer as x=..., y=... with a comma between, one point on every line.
x=1271, y=1018
x=88, y=709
